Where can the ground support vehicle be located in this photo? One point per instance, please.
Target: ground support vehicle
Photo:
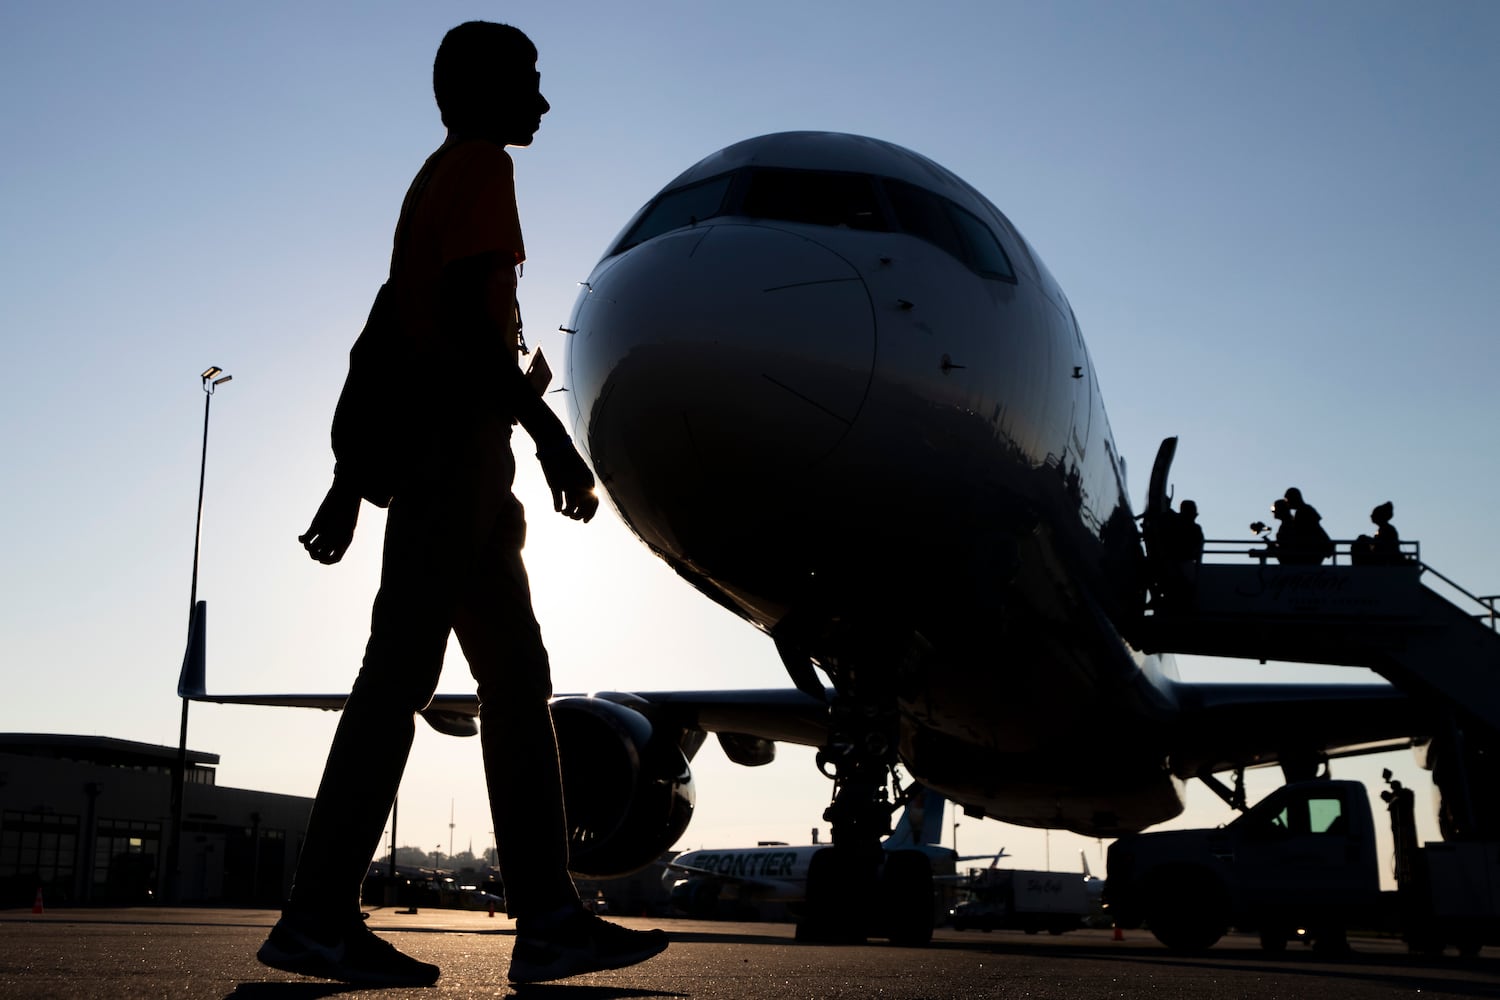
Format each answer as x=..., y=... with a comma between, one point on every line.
x=1303, y=858
x=1030, y=901
x=1302, y=864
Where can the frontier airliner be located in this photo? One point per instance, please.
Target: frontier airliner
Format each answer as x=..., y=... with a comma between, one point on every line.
x=705, y=882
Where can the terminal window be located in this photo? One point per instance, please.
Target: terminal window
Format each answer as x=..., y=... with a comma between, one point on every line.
x=125, y=853
x=39, y=848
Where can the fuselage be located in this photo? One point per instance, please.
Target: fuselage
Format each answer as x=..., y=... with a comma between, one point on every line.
x=833, y=387
x=771, y=873
x=768, y=873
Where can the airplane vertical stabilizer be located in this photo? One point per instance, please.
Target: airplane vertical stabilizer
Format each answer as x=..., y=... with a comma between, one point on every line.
x=921, y=822
x=192, y=682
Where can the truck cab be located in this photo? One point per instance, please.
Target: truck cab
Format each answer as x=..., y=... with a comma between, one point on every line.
x=1303, y=857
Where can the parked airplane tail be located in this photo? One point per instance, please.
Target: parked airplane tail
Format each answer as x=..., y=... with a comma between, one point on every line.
x=921, y=822
x=192, y=682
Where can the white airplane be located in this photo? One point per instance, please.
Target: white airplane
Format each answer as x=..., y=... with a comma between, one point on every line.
x=777, y=873
x=832, y=386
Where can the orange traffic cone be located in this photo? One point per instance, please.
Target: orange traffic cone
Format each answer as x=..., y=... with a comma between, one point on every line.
x=1119, y=934
x=36, y=904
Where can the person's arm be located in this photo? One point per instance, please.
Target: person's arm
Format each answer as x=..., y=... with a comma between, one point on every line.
x=479, y=295
x=332, y=528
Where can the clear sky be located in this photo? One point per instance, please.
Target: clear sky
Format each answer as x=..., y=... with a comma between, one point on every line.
x=1276, y=223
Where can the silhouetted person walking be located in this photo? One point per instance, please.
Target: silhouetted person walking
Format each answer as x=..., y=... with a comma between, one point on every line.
x=452, y=561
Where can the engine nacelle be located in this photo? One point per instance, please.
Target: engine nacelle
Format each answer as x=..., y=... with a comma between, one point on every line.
x=627, y=787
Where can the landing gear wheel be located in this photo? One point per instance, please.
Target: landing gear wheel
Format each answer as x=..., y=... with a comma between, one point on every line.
x=837, y=899
x=854, y=889
x=907, y=898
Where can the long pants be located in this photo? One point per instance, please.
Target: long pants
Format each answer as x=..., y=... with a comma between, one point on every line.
x=452, y=562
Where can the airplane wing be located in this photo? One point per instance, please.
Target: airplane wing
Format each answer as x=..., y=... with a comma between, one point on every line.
x=773, y=715
x=1226, y=726
x=327, y=702
x=777, y=715
x=1222, y=726
x=1219, y=726
x=747, y=721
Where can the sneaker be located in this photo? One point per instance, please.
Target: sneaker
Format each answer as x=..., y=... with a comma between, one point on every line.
x=581, y=943
x=348, y=952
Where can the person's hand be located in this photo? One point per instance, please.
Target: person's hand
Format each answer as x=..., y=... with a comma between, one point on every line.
x=332, y=528
x=570, y=480
x=579, y=504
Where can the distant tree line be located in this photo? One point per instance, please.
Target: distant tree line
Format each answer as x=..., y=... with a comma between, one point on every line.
x=418, y=858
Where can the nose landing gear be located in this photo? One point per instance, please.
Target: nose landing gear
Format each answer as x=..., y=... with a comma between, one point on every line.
x=856, y=889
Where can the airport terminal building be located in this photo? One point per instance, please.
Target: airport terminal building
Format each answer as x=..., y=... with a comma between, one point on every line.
x=86, y=819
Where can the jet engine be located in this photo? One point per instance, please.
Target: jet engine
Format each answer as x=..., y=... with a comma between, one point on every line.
x=626, y=784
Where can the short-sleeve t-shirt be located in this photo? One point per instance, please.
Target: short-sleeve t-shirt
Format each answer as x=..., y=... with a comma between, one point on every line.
x=462, y=204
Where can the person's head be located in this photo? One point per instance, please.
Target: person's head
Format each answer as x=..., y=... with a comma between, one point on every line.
x=1383, y=513
x=486, y=84
x=1293, y=496
x=1188, y=509
x=1281, y=510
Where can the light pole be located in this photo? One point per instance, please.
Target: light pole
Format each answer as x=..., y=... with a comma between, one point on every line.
x=395, y=808
x=212, y=378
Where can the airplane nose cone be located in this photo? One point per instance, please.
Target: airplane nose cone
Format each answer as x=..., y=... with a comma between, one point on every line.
x=718, y=365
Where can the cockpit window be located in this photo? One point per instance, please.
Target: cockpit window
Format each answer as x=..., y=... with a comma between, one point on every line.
x=676, y=209
x=951, y=228
x=982, y=251
x=837, y=199
x=922, y=213
x=817, y=197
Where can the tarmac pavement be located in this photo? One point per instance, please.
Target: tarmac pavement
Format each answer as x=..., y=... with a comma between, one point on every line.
x=73, y=954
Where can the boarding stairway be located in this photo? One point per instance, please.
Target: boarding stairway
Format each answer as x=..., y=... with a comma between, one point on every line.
x=1415, y=627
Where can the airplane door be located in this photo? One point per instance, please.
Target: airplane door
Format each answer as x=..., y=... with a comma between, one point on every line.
x=1157, y=500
